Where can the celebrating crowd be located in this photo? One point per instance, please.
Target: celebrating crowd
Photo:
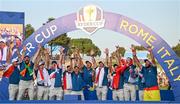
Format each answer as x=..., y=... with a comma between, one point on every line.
x=51, y=82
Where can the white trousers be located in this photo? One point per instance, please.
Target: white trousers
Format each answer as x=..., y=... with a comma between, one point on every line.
x=42, y=92
x=13, y=91
x=118, y=94
x=56, y=92
x=101, y=92
x=23, y=85
x=129, y=92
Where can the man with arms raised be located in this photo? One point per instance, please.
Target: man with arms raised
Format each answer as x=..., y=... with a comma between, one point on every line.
x=149, y=71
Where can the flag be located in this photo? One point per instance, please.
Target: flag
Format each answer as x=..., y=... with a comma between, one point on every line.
x=9, y=71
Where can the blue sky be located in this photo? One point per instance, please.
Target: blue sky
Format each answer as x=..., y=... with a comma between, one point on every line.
x=162, y=16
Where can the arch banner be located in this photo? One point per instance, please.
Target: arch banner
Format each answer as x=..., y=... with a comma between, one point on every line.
x=90, y=23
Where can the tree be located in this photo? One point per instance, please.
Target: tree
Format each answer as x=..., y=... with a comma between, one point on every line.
x=49, y=20
x=120, y=50
x=177, y=49
x=28, y=30
x=140, y=48
x=62, y=40
x=84, y=45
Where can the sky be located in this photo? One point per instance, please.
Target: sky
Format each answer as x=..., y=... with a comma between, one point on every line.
x=162, y=16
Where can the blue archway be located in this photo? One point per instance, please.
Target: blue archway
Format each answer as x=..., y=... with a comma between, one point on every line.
x=166, y=57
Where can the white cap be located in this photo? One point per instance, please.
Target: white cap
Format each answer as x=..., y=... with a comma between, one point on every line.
x=3, y=40
x=41, y=63
x=14, y=60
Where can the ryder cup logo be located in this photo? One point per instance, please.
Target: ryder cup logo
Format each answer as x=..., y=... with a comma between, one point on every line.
x=90, y=18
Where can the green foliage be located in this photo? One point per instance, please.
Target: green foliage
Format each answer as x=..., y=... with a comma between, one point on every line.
x=120, y=50
x=140, y=48
x=177, y=49
x=49, y=20
x=28, y=30
x=62, y=40
x=84, y=45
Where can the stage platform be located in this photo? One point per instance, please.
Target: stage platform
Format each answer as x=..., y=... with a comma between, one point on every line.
x=82, y=102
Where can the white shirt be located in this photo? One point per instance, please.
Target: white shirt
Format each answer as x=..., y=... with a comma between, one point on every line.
x=68, y=81
x=46, y=80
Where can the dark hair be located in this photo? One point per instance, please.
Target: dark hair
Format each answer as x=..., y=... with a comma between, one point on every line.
x=53, y=62
x=87, y=62
x=129, y=58
x=115, y=65
x=101, y=62
x=68, y=66
x=146, y=60
x=76, y=66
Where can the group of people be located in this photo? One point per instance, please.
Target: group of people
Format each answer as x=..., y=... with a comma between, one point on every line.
x=9, y=31
x=11, y=35
x=52, y=82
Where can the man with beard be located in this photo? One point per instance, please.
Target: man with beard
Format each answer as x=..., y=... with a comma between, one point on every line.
x=26, y=74
x=88, y=75
x=77, y=82
x=149, y=71
x=130, y=76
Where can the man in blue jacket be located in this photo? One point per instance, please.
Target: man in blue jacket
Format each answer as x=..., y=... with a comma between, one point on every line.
x=26, y=74
x=77, y=82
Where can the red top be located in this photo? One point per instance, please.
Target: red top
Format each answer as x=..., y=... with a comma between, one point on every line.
x=118, y=71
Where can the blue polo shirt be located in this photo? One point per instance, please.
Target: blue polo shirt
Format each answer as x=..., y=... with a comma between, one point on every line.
x=58, y=81
x=15, y=76
x=150, y=75
x=77, y=81
x=87, y=75
x=126, y=73
x=27, y=76
x=121, y=82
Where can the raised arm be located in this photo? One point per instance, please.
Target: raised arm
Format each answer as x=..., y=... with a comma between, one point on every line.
x=71, y=63
x=79, y=59
x=61, y=57
x=136, y=60
x=107, y=56
x=9, y=53
x=47, y=58
x=110, y=64
x=21, y=57
x=94, y=64
x=117, y=57
x=152, y=56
